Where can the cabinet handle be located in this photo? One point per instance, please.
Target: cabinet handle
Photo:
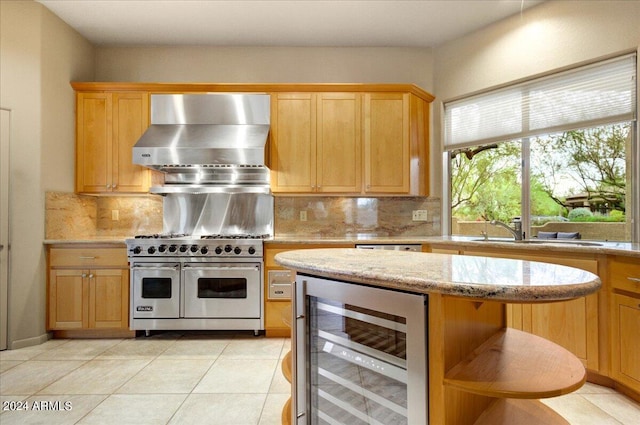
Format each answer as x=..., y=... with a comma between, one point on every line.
x=634, y=279
x=108, y=186
x=91, y=276
x=84, y=275
x=86, y=258
x=114, y=186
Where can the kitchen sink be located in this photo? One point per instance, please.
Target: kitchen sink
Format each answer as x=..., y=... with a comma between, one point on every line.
x=541, y=242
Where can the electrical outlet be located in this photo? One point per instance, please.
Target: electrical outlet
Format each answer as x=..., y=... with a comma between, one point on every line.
x=115, y=215
x=419, y=215
x=303, y=215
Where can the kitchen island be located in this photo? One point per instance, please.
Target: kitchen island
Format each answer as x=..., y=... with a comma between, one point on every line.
x=475, y=369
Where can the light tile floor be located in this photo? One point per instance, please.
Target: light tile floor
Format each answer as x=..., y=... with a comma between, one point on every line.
x=192, y=378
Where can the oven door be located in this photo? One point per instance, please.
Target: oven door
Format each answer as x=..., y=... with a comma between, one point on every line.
x=222, y=290
x=156, y=290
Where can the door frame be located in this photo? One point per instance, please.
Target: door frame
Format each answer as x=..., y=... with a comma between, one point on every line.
x=5, y=139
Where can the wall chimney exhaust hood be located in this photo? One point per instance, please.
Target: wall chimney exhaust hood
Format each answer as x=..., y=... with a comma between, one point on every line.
x=204, y=130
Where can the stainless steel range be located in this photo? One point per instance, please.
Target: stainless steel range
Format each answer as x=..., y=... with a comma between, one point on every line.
x=206, y=270
x=188, y=282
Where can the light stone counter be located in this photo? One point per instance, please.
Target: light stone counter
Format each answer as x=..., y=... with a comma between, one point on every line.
x=111, y=240
x=480, y=278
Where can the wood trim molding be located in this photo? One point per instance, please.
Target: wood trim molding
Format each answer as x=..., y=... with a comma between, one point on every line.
x=247, y=88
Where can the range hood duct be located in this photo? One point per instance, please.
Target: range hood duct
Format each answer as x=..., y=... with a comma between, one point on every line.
x=190, y=131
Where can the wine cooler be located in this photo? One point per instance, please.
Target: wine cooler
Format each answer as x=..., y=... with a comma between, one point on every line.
x=359, y=354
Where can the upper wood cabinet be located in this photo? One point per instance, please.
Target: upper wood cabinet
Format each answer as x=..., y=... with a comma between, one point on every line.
x=316, y=143
x=348, y=139
x=349, y=143
x=386, y=142
x=108, y=124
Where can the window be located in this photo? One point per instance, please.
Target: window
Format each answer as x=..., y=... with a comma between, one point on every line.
x=555, y=153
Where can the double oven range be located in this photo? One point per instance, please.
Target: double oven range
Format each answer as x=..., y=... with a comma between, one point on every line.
x=196, y=282
x=205, y=271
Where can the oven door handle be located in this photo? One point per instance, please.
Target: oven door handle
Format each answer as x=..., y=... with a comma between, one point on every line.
x=141, y=266
x=187, y=266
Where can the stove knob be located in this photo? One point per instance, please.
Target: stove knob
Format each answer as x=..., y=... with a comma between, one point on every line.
x=173, y=248
x=162, y=248
x=252, y=250
x=151, y=250
x=227, y=248
x=183, y=248
x=204, y=249
x=218, y=250
x=137, y=250
x=194, y=248
x=237, y=250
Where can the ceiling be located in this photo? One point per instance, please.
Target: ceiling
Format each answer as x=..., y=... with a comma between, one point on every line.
x=335, y=23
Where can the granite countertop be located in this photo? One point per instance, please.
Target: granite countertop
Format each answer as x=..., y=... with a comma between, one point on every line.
x=115, y=240
x=481, y=278
x=476, y=242
x=573, y=246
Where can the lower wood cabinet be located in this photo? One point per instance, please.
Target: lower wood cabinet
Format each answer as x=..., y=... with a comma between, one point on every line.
x=625, y=338
x=88, y=289
x=276, y=309
x=571, y=324
x=624, y=278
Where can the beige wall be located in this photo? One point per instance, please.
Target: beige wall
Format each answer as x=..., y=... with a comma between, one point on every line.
x=40, y=55
x=550, y=36
x=266, y=65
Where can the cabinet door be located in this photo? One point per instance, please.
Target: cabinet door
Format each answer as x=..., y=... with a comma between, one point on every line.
x=130, y=120
x=625, y=329
x=293, y=147
x=93, y=142
x=386, y=143
x=339, y=152
x=109, y=298
x=68, y=299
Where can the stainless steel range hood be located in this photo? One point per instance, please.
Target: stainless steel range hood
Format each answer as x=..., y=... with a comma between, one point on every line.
x=204, y=131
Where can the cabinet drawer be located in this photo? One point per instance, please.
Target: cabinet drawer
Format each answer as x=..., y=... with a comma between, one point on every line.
x=88, y=257
x=624, y=273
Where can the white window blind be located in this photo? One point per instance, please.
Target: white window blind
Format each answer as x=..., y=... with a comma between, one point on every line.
x=592, y=95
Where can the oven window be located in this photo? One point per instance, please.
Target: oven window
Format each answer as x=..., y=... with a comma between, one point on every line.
x=156, y=287
x=211, y=287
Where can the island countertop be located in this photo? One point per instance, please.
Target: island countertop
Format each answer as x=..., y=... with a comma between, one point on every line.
x=480, y=278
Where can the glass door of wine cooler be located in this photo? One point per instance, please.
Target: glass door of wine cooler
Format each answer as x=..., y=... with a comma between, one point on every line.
x=360, y=354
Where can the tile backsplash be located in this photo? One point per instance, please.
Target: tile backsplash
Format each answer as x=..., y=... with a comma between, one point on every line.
x=74, y=216
x=331, y=216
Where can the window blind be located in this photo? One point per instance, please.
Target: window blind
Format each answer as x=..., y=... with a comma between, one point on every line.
x=596, y=94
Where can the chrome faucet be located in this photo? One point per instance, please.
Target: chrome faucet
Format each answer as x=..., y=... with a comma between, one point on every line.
x=516, y=231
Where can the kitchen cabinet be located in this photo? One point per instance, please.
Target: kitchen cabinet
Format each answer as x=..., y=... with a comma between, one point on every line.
x=624, y=278
x=276, y=309
x=349, y=143
x=396, y=144
x=386, y=142
x=570, y=324
x=316, y=143
x=88, y=288
x=108, y=124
